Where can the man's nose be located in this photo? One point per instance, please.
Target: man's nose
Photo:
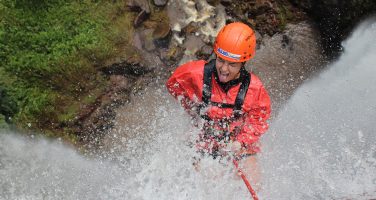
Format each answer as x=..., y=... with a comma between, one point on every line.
x=223, y=68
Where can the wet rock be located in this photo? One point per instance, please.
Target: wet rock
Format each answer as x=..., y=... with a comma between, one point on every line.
x=147, y=39
x=200, y=17
x=119, y=82
x=96, y=119
x=266, y=16
x=143, y=40
x=161, y=31
x=150, y=60
x=141, y=6
x=258, y=39
x=286, y=42
x=129, y=67
x=141, y=17
x=171, y=55
x=160, y=2
x=191, y=46
x=336, y=18
x=137, y=41
x=162, y=35
x=204, y=52
x=226, y=2
x=152, y=36
x=192, y=27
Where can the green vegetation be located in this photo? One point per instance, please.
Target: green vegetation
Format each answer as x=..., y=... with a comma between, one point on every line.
x=49, y=51
x=286, y=14
x=3, y=124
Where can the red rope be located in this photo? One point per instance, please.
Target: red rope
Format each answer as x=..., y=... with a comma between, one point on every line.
x=253, y=193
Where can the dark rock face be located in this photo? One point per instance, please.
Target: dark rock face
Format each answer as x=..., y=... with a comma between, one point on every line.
x=336, y=18
x=265, y=16
x=142, y=7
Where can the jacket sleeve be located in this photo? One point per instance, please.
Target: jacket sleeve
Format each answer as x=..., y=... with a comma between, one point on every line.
x=183, y=88
x=255, y=121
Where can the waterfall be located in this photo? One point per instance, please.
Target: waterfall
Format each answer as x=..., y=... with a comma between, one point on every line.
x=320, y=146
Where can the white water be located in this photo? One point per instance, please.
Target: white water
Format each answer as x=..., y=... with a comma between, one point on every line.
x=323, y=143
x=321, y=146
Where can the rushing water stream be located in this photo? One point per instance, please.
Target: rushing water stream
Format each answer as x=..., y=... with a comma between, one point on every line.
x=320, y=146
x=323, y=143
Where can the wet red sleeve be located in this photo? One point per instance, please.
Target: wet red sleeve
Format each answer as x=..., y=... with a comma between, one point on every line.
x=255, y=121
x=183, y=85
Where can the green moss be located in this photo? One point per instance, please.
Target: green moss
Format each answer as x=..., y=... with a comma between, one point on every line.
x=283, y=15
x=72, y=110
x=69, y=114
x=50, y=50
x=286, y=14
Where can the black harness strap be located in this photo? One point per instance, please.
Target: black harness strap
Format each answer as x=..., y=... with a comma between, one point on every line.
x=241, y=95
x=207, y=91
x=207, y=88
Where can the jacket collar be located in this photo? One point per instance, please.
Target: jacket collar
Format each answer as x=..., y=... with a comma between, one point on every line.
x=228, y=85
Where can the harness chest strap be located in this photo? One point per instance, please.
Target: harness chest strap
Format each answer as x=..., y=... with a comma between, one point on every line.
x=207, y=92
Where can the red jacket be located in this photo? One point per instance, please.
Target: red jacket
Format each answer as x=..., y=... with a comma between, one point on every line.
x=186, y=84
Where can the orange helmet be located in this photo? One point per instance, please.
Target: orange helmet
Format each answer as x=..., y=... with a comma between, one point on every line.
x=235, y=42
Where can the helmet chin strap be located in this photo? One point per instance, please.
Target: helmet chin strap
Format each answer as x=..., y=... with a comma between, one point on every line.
x=211, y=56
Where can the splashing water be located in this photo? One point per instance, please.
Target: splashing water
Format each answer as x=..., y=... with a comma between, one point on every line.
x=321, y=146
x=147, y=159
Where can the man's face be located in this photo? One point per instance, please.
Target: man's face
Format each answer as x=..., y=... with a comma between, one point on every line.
x=226, y=70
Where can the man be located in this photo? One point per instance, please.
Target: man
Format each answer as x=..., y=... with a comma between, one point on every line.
x=232, y=102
